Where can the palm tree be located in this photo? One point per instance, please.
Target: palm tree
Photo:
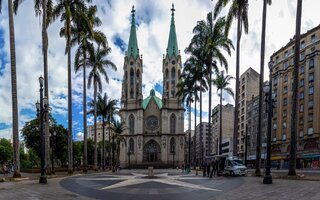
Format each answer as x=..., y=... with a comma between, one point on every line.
x=15, y=121
x=98, y=61
x=293, y=143
x=117, y=129
x=210, y=39
x=44, y=8
x=69, y=10
x=83, y=34
x=186, y=92
x=222, y=82
x=106, y=108
x=238, y=10
x=262, y=54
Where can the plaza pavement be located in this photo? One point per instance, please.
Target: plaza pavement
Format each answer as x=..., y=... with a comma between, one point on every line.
x=91, y=186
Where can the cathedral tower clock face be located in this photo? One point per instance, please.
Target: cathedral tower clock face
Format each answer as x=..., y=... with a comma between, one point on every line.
x=152, y=122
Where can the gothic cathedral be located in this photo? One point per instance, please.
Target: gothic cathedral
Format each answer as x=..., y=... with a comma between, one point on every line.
x=155, y=127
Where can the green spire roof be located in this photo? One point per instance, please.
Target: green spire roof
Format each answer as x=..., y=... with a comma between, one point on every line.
x=156, y=99
x=133, y=43
x=172, y=48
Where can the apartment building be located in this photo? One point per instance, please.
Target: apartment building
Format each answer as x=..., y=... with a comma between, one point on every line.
x=201, y=142
x=227, y=128
x=249, y=85
x=308, y=116
x=90, y=130
x=252, y=128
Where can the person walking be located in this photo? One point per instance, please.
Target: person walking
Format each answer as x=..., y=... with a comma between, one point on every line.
x=208, y=167
x=204, y=168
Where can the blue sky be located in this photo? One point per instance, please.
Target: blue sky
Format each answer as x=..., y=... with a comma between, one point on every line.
x=153, y=23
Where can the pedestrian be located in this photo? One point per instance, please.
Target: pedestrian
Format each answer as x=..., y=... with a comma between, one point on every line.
x=215, y=168
x=208, y=167
x=204, y=168
x=212, y=168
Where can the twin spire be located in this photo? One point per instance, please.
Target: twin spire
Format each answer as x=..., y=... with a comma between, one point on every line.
x=172, y=48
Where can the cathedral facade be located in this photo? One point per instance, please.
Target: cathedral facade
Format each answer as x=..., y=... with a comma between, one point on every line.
x=154, y=134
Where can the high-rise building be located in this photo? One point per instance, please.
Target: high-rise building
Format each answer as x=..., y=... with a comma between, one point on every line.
x=201, y=142
x=227, y=128
x=308, y=116
x=155, y=134
x=90, y=130
x=252, y=128
x=249, y=85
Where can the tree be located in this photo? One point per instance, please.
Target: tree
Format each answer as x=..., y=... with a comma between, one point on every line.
x=294, y=127
x=68, y=11
x=15, y=120
x=84, y=33
x=262, y=54
x=239, y=10
x=44, y=8
x=98, y=61
x=6, y=151
x=117, y=128
x=106, y=109
x=210, y=39
x=222, y=82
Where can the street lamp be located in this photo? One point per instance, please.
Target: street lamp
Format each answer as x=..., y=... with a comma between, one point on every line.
x=42, y=108
x=173, y=152
x=269, y=102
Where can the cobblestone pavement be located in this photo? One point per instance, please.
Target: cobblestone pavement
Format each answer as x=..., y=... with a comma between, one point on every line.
x=86, y=186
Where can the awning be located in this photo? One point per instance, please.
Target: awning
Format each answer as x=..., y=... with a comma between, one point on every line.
x=311, y=156
x=277, y=157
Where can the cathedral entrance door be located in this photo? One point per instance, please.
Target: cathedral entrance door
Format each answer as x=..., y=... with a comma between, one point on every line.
x=151, y=152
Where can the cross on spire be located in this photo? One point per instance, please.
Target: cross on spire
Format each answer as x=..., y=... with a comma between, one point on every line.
x=172, y=10
x=133, y=11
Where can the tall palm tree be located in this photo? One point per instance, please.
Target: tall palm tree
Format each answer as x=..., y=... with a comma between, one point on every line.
x=117, y=129
x=68, y=11
x=293, y=142
x=222, y=83
x=106, y=108
x=15, y=121
x=84, y=33
x=238, y=10
x=210, y=39
x=262, y=54
x=98, y=61
x=186, y=92
x=44, y=8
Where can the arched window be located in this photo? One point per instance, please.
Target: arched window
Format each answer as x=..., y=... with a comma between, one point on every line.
x=172, y=145
x=137, y=83
x=173, y=81
x=131, y=146
x=173, y=124
x=131, y=82
x=131, y=124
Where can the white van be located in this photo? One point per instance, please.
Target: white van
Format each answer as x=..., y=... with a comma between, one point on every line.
x=234, y=166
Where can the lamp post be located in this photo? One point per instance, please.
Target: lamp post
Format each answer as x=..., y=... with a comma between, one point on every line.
x=129, y=154
x=53, y=139
x=173, y=152
x=269, y=102
x=42, y=108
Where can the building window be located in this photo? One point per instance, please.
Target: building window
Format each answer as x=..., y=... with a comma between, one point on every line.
x=131, y=82
x=131, y=146
x=301, y=83
x=284, y=113
x=313, y=38
x=310, y=117
x=286, y=54
x=311, y=63
x=173, y=124
x=311, y=90
x=285, y=101
x=131, y=124
x=311, y=77
x=302, y=45
x=284, y=125
x=301, y=95
x=301, y=108
x=300, y=120
x=285, y=78
x=302, y=70
x=301, y=133
x=302, y=56
x=285, y=90
x=172, y=146
x=284, y=137
x=285, y=65
x=310, y=131
x=310, y=104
